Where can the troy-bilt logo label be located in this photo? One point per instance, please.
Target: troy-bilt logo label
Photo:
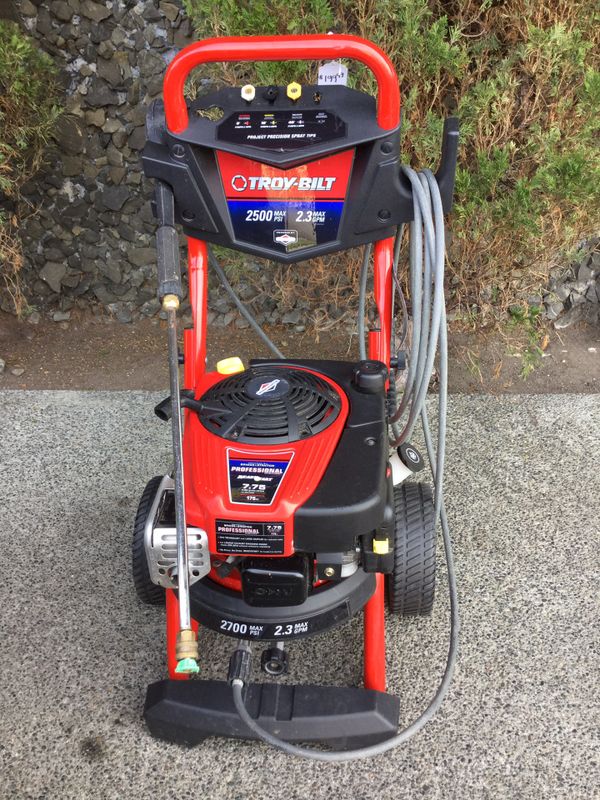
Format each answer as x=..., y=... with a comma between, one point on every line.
x=264, y=388
x=322, y=180
x=265, y=183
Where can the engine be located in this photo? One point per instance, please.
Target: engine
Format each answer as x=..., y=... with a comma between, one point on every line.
x=287, y=472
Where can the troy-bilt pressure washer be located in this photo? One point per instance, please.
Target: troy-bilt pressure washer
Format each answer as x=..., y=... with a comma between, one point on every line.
x=290, y=507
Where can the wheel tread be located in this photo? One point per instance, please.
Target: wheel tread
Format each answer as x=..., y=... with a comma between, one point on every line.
x=148, y=592
x=411, y=585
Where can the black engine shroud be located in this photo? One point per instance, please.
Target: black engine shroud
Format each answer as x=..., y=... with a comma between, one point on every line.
x=354, y=496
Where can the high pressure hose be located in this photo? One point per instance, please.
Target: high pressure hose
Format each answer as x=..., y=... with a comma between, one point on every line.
x=426, y=263
x=242, y=308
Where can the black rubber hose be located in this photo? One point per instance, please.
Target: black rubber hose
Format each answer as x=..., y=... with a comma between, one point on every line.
x=242, y=308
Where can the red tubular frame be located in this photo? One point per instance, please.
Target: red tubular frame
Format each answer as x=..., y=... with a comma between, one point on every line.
x=379, y=348
x=195, y=345
x=288, y=48
x=281, y=48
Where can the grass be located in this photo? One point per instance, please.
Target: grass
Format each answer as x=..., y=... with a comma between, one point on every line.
x=522, y=75
x=473, y=362
x=527, y=322
x=29, y=109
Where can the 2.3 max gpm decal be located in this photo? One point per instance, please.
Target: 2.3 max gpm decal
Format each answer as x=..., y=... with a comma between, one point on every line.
x=292, y=209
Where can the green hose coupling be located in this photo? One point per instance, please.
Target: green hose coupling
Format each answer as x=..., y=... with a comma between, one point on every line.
x=187, y=666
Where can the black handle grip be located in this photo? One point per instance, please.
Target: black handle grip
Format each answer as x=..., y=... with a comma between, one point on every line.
x=168, y=266
x=447, y=170
x=164, y=202
x=167, y=243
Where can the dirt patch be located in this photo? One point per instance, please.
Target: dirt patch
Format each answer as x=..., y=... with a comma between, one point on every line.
x=91, y=352
x=488, y=363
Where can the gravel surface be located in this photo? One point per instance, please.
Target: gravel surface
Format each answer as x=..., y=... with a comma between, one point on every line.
x=78, y=650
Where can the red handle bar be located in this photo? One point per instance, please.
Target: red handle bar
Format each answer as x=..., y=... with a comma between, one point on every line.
x=281, y=48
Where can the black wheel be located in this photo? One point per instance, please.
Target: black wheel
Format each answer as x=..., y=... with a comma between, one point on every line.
x=147, y=591
x=411, y=585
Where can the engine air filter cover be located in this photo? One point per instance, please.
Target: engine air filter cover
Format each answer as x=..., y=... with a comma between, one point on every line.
x=270, y=405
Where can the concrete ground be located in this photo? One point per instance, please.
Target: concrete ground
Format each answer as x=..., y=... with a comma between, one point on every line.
x=522, y=718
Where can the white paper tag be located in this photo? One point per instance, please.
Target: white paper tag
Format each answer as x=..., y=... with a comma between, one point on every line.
x=333, y=73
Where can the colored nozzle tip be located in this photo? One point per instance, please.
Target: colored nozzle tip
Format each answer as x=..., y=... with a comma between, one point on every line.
x=248, y=93
x=187, y=666
x=293, y=91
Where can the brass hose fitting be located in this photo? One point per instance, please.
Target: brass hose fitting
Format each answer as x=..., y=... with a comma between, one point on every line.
x=186, y=645
x=170, y=302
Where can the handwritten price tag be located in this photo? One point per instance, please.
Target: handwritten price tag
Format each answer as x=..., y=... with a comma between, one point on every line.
x=333, y=73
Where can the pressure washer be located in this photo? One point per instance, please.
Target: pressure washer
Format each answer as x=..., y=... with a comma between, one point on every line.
x=293, y=504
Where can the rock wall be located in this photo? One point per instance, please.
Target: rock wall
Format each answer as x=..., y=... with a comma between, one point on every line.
x=92, y=237
x=573, y=295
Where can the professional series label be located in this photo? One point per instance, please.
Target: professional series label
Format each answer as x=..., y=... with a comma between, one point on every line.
x=239, y=537
x=255, y=482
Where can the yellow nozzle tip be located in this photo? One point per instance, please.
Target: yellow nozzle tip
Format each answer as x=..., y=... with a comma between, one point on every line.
x=381, y=546
x=230, y=366
x=294, y=90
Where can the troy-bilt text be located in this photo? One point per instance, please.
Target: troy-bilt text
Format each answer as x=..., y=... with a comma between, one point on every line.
x=281, y=183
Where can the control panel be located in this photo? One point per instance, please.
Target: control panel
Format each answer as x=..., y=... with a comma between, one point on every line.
x=281, y=130
x=287, y=173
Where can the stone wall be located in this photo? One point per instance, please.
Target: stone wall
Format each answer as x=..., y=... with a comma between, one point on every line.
x=92, y=236
x=573, y=295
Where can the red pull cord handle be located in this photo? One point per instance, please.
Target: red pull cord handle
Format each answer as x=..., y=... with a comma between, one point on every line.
x=281, y=48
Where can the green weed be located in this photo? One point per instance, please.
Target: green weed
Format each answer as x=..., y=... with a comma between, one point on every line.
x=527, y=322
x=29, y=110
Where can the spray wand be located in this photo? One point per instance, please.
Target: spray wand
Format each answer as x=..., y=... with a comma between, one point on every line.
x=170, y=294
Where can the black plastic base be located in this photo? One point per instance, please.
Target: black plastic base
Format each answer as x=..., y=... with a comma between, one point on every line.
x=330, y=605
x=186, y=712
